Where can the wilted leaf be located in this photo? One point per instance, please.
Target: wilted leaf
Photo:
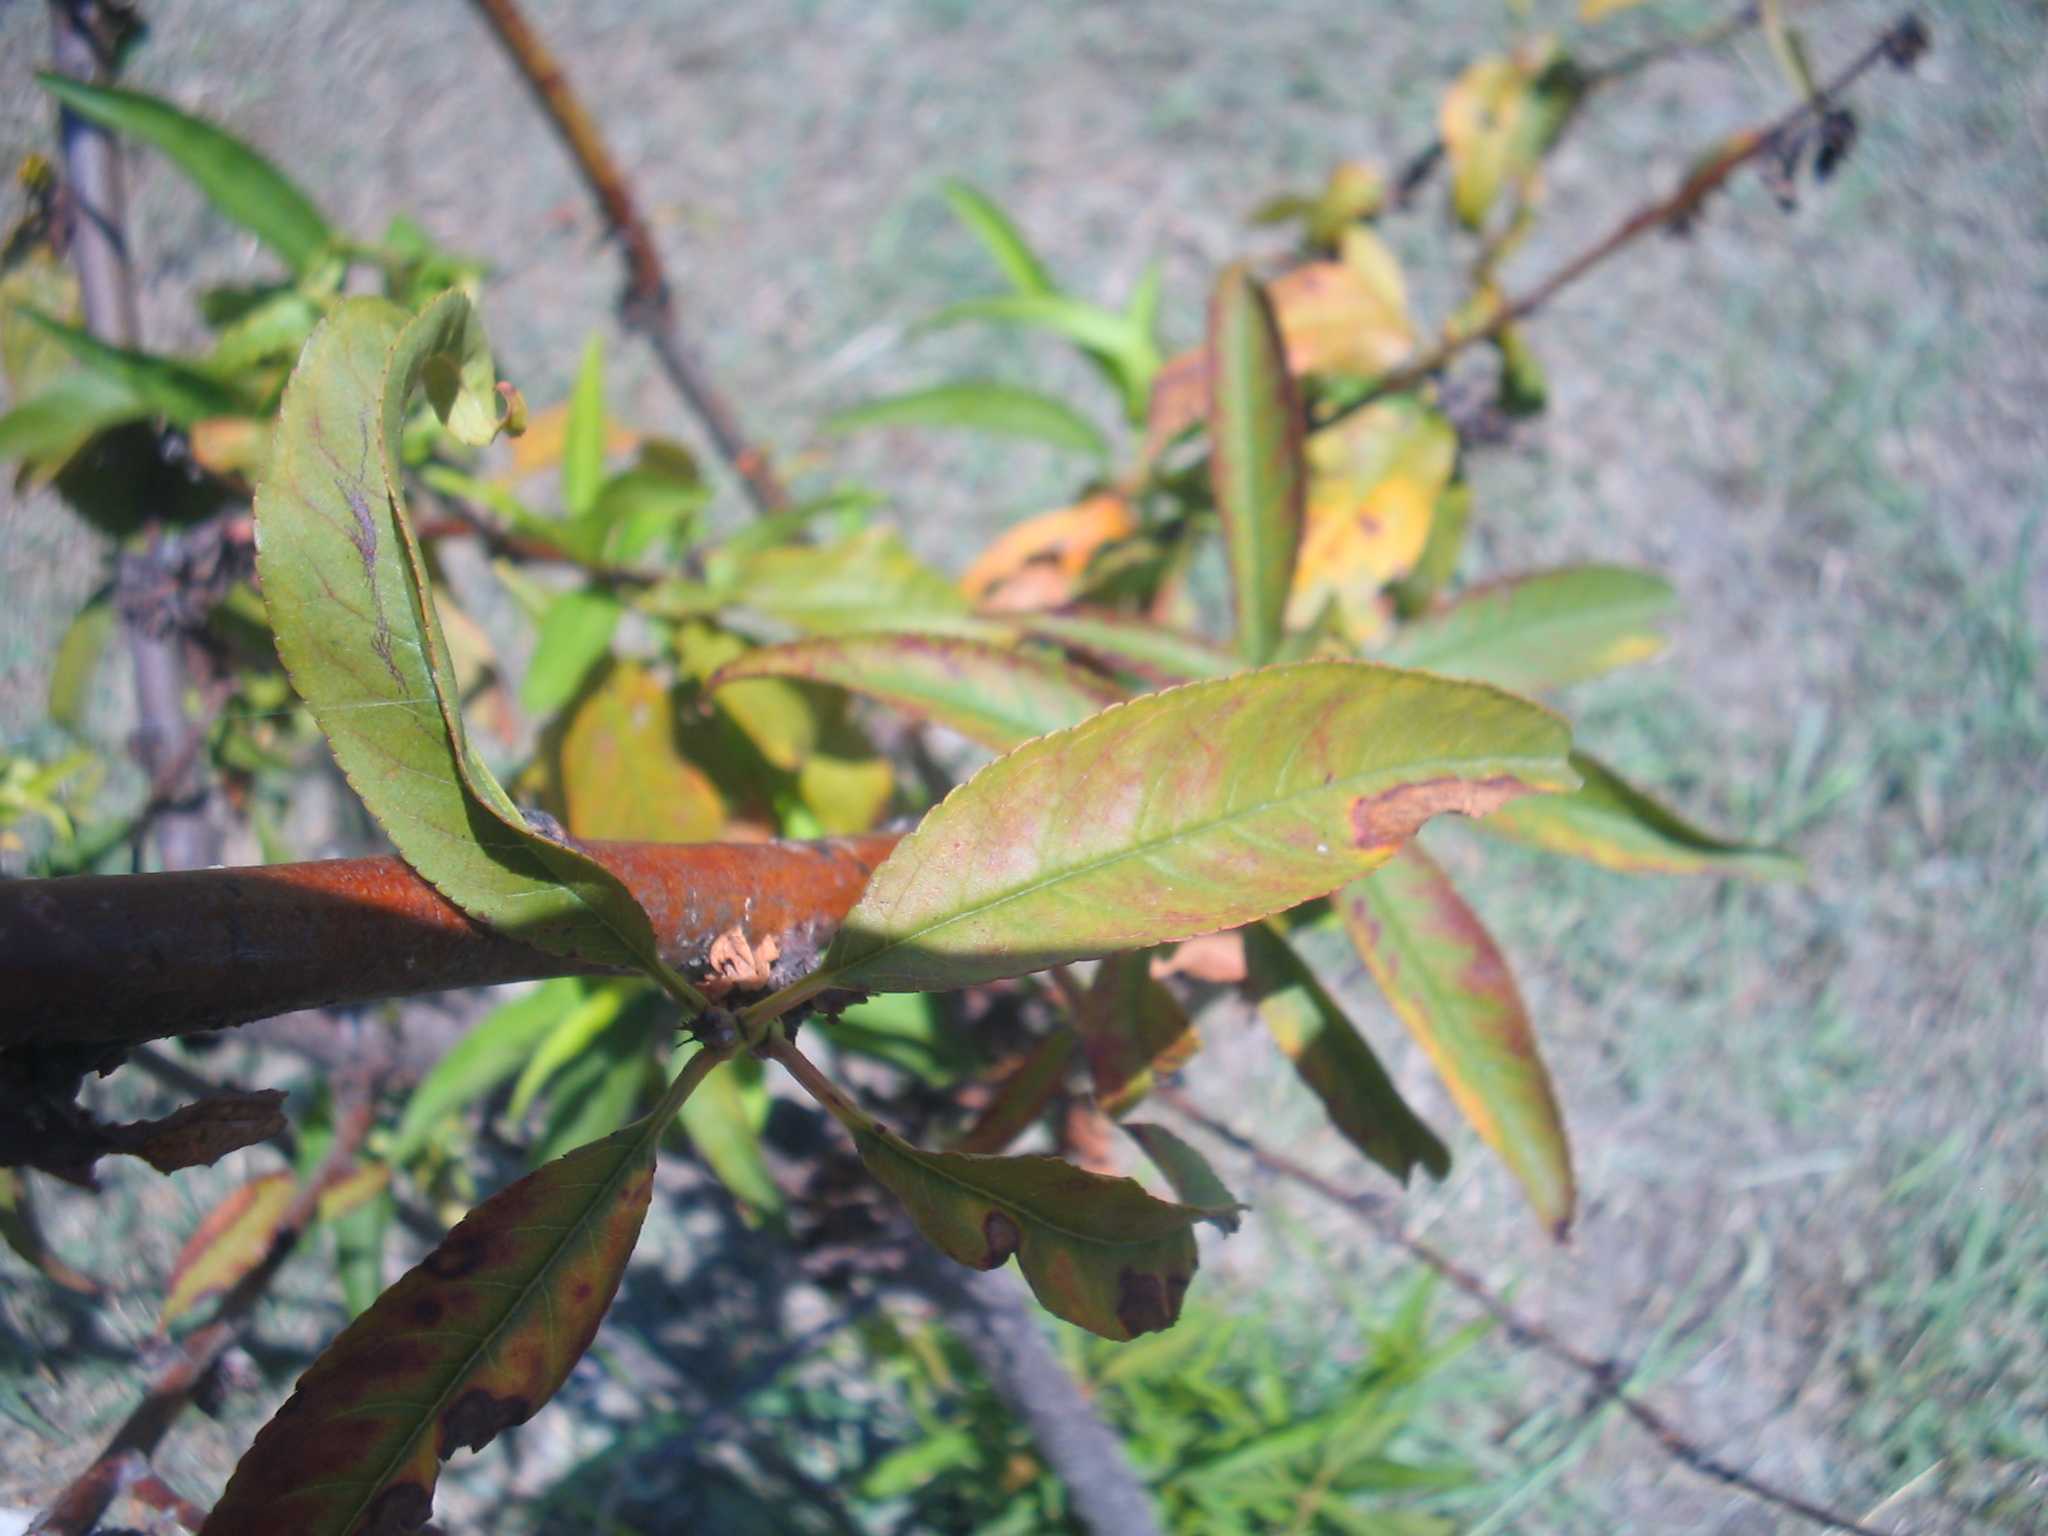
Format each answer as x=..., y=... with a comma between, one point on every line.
x=204, y=1132
x=1181, y=813
x=1060, y=543
x=1255, y=457
x=239, y=182
x=1022, y=1093
x=1609, y=822
x=20, y=1230
x=488, y=1055
x=1097, y=1251
x=621, y=770
x=980, y=405
x=469, y=1343
x=1133, y=1030
x=345, y=583
x=1288, y=964
x=998, y=696
x=1194, y=1182
x=1450, y=984
x=232, y=1239
x=1542, y=630
x=1375, y=480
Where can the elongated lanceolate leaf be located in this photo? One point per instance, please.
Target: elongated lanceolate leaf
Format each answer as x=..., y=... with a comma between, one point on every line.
x=992, y=227
x=981, y=405
x=1180, y=813
x=163, y=385
x=871, y=581
x=583, y=434
x=470, y=1342
x=1286, y=963
x=1132, y=1030
x=1151, y=651
x=236, y=180
x=1097, y=1251
x=998, y=696
x=491, y=1053
x=229, y=1241
x=1543, y=630
x=1021, y=1095
x=1448, y=981
x=1609, y=822
x=345, y=583
x=1194, y=1181
x=1255, y=457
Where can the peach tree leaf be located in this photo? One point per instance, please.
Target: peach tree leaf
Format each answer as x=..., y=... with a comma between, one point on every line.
x=1451, y=986
x=996, y=695
x=1609, y=822
x=1287, y=963
x=980, y=405
x=1097, y=1251
x=1542, y=630
x=1021, y=1095
x=471, y=1341
x=1181, y=813
x=345, y=582
x=1255, y=458
x=1157, y=654
x=1132, y=1029
x=1194, y=1182
x=230, y=1240
x=621, y=769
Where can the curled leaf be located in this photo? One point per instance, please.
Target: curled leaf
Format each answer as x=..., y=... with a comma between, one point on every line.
x=1097, y=1251
x=204, y=1132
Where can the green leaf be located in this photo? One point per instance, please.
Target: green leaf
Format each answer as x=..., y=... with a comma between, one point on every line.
x=359, y=1238
x=1194, y=1182
x=488, y=1055
x=239, y=182
x=470, y=1342
x=48, y=428
x=574, y=637
x=1181, y=813
x=1451, y=986
x=78, y=663
x=1119, y=343
x=344, y=579
x=992, y=227
x=1097, y=1251
x=724, y=1120
x=1543, y=630
x=980, y=405
x=1438, y=561
x=870, y=581
x=583, y=436
x=1151, y=651
x=271, y=330
x=1609, y=822
x=998, y=696
x=162, y=385
x=572, y=1036
x=1291, y=968
x=602, y=1089
x=1255, y=456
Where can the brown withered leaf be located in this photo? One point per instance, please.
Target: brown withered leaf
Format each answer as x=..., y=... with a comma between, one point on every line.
x=1037, y=563
x=203, y=1132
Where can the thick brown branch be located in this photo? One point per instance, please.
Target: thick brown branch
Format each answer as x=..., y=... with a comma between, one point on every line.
x=1900, y=42
x=649, y=305
x=121, y=958
x=1607, y=1378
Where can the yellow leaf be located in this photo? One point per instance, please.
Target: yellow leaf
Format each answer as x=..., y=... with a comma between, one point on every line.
x=1497, y=120
x=228, y=1243
x=1593, y=10
x=846, y=794
x=231, y=445
x=1374, y=481
x=1344, y=316
x=540, y=446
x=622, y=773
x=1062, y=542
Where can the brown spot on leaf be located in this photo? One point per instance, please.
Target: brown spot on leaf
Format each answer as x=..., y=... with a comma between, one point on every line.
x=398, y=1510
x=461, y=1253
x=1147, y=1301
x=1000, y=1233
x=1392, y=817
x=426, y=1311
x=475, y=1419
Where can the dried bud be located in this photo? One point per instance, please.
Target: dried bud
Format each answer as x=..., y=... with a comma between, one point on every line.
x=1837, y=138
x=1906, y=42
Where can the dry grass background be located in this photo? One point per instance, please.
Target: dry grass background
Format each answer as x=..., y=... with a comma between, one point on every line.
x=1810, y=1119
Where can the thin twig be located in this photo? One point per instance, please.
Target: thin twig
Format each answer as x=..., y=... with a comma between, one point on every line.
x=76, y=1510
x=1608, y=1378
x=1901, y=41
x=648, y=305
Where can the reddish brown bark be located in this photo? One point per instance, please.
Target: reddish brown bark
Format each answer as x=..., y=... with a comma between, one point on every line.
x=121, y=958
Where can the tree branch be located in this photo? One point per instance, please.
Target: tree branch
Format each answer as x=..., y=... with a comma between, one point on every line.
x=123, y=958
x=648, y=305
x=1607, y=1378
x=1900, y=44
